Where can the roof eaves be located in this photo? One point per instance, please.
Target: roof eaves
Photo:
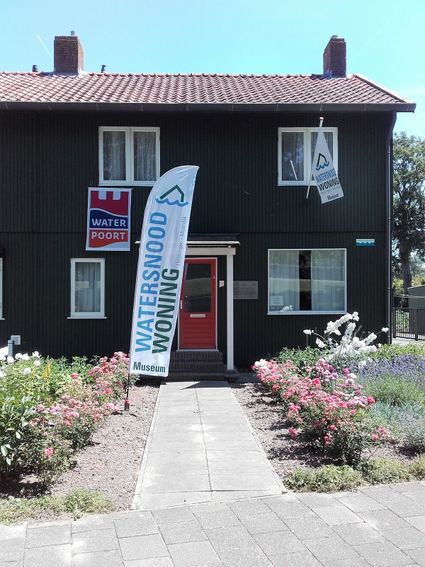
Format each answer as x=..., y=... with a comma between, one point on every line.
x=386, y=91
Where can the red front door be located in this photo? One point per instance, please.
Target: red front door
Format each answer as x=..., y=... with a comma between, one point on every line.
x=197, y=314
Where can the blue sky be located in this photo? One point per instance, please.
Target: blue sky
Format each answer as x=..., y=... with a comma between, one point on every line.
x=385, y=38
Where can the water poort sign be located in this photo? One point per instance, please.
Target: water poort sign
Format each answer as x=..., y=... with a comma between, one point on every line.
x=108, y=219
x=160, y=270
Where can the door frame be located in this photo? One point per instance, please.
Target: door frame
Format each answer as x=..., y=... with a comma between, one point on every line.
x=215, y=265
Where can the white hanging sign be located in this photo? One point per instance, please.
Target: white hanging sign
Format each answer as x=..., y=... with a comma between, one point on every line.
x=323, y=171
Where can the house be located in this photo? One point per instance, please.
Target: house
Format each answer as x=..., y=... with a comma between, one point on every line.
x=263, y=262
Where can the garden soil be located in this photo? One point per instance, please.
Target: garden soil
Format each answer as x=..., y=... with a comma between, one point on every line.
x=111, y=463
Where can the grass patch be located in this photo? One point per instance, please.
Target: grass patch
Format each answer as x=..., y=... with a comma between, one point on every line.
x=384, y=471
x=327, y=478
x=76, y=504
x=395, y=391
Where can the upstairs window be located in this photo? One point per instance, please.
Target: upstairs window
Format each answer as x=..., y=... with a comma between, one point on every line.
x=307, y=281
x=128, y=156
x=295, y=153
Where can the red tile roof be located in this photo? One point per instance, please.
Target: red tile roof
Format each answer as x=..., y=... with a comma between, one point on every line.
x=114, y=88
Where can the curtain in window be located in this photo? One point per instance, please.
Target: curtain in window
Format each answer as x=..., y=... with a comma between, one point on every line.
x=87, y=287
x=292, y=156
x=327, y=280
x=114, y=156
x=284, y=283
x=144, y=156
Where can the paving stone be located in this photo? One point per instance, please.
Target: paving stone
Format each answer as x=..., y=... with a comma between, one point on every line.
x=418, y=522
x=215, y=515
x=163, y=483
x=418, y=555
x=360, y=503
x=395, y=501
x=249, y=508
x=289, y=507
x=242, y=556
x=11, y=564
x=356, y=534
x=302, y=559
x=352, y=562
x=12, y=550
x=408, y=538
x=143, y=547
x=331, y=549
x=279, y=543
x=309, y=528
x=194, y=554
x=54, y=556
x=95, y=540
x=184, y=532
x=93, y=523
x=236, y=536
x=317, y=500
x=383, y=554
x=155, y=562
x=12, y=532
x=337, y=515
x=48, y=535
x=98, y=559
x=165, y=500
x=264, y=523
x=142, y=524
x=383, y=520
x=174, y=515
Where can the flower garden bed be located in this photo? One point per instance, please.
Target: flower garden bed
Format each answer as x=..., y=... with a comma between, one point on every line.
x=342, y=414
x=63, y=428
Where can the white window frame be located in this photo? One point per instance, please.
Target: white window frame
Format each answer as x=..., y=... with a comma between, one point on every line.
x=129, y=156
x=304, y=311
x=88, y=314
x=307, y=154
x=1, y=288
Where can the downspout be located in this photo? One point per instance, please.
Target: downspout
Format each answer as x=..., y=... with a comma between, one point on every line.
x=389, y=224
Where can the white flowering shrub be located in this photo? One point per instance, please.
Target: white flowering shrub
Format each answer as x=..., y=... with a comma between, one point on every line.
x=341, y=343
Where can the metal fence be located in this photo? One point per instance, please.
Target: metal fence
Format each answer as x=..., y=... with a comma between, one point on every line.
x=409, y=323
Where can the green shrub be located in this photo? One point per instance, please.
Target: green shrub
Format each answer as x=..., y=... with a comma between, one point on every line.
x=76, y=503
x=327, y=478
x=413, y=433
x=417, y=467
x=395, y=391
x=388, y=352
x=384, y=471
x=301, y=358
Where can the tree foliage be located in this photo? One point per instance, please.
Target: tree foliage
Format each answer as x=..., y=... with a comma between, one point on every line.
x=409, y=202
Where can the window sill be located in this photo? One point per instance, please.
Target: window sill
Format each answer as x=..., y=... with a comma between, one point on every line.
x=116, y=183
x=86, y=317
x=2, y=319
x=306, y=312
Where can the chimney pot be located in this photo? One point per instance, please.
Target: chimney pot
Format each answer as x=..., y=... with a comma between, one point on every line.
x=103, y=69
x=335, y=57
x=68, y=54
x=35, y=69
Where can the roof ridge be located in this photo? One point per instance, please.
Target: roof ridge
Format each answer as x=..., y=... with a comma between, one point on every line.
x=120, y=74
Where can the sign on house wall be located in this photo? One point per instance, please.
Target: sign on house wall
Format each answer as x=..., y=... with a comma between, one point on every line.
x=323, y=171
x=108, y=219
x=160, y=270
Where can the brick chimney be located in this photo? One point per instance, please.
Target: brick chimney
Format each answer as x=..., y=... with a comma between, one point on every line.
x=68, y=54
x=334, y=57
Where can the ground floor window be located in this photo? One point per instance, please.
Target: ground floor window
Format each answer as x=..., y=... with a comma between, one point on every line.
x=87, y=287
x=303, y=281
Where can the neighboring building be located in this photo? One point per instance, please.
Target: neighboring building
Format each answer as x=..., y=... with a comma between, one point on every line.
x=264, y=262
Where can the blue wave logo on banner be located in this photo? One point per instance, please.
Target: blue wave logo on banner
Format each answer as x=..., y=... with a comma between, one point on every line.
x=322, y=162
x=179, y=197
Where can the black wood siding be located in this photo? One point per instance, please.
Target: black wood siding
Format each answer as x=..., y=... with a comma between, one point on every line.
x=48, y=160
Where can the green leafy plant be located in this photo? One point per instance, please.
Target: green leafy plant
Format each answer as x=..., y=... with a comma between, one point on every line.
x=395, y=391
x=384, y=471
x=327, y=478
x=417, y=467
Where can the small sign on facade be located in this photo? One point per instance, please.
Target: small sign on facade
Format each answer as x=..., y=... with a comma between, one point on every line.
x=245, y=290
x=365, y=242
x=108, y=219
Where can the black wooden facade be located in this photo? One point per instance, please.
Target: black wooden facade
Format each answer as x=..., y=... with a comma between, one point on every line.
x=49, y=158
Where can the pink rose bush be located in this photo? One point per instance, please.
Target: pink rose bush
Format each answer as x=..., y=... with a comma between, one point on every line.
x=323, y=407
x=53, y=408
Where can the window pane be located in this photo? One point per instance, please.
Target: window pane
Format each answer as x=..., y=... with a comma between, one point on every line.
x=328, y=280
x=284, y=282
x=292, y=156
x=114, y=156
x=197, y=288
x=87, y=287
x=144, y=156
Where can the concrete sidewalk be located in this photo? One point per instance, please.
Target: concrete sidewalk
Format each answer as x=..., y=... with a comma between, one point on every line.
x=201, y=448
x=379, y=526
